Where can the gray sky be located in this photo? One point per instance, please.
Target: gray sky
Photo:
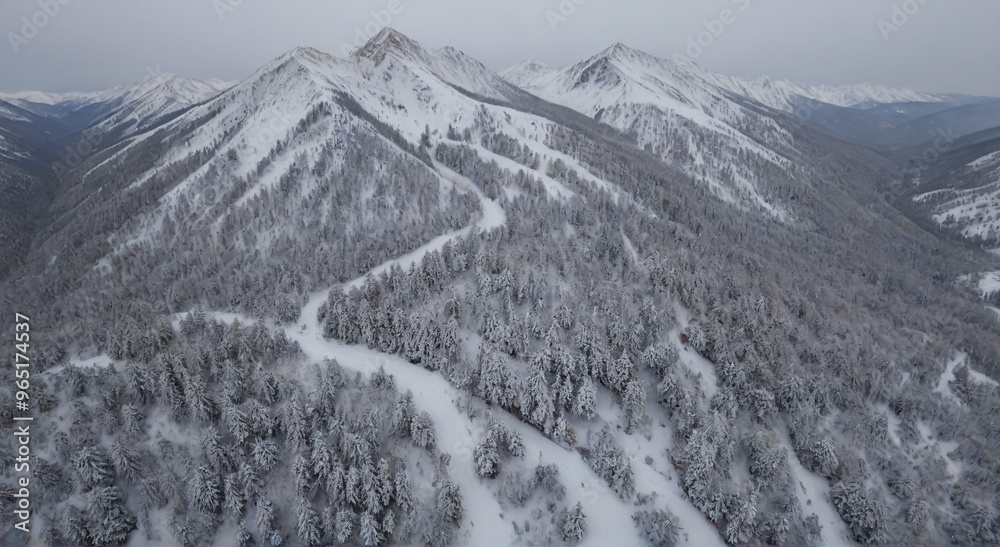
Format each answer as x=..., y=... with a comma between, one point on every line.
x=940, y=46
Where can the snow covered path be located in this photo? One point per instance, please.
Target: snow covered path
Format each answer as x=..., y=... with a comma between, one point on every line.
x=609, y=519
x=493, y=217
x=813, y=492
x=948, y=376
x=483, y=524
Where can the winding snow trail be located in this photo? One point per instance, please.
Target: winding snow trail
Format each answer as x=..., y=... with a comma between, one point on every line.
x=813, y=493
x=493, y=217
x=483, y=524
x=609, y=522
x=609, y=519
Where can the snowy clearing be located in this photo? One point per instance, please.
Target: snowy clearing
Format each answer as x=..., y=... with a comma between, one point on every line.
x=814, y=497
x=948, y=376
x=989, y=283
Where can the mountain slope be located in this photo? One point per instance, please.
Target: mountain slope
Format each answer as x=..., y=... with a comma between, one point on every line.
x=678, y=114
x=27, y=184
x=599, y=346
x=960, y=191
x=787, y=95
x=104, y=118
x=161, y=87
x=24, y=135
x=305, y=108
x=894, y=121
x=140, y=106
x=783, y=95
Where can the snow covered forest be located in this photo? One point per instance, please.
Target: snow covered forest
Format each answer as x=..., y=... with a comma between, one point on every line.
x=400, y=299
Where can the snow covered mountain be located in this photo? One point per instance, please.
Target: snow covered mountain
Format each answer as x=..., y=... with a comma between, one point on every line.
x=34, y=98
x=24, y=134
x=121, y=111
x=11, y=146
x=167, y=86
x=680, y=113
x=726, y=131
x=782, y=95
x=306, y=109
x=139, y=106
x=25, y=178
x=960, y=192
x=448, y=64
x=787, y=95
x=448, y=306
x=317, y=170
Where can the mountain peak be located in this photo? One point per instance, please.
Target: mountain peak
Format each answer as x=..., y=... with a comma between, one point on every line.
x=161, y=78
x=173, y=87
x=300, y=64
x=527, y=71
x=301, y=53
x=621, y=52
x=527, y=64
x=390, y=34
x=618, y=48
x=605, y=68
x=305, y=51
x=387, y=41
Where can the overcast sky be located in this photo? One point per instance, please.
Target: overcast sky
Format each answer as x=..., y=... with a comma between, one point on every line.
x=940, y=46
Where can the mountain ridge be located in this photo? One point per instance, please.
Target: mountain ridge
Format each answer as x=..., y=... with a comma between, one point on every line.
x=782, y=94
x=396, y=298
